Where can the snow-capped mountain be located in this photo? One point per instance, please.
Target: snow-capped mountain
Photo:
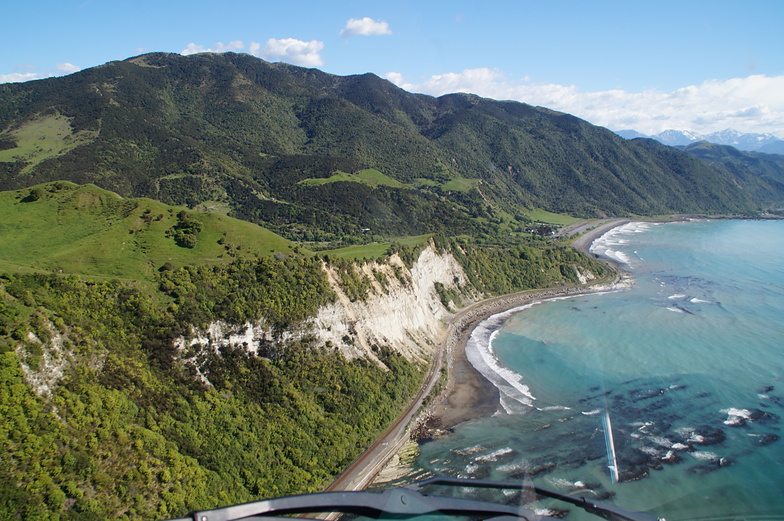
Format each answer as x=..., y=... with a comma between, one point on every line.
x=767, y=143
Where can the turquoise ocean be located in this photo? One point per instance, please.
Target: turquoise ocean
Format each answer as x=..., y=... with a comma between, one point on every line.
x=666, y=397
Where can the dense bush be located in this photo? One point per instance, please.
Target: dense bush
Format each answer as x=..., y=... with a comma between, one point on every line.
x=129, y=431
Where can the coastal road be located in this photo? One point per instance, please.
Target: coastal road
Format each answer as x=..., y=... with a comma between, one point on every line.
x=362, y=471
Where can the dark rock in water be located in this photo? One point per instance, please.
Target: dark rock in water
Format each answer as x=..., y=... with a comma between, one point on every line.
x=671, y=458
x=759, y=416
x=634, y=458
x=534, y=470
x=660, y=427
x=711, y=466
x=777, y=400
x=576, y=458
x=658, y=404
x=594, y=450
x=627, y=382
x=594, y=389
x=646, y=394
x=708, y=436
x=766, y=439
x=483, y=472
x=633, y=474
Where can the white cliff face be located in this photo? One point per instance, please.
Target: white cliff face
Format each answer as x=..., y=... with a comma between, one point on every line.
x=403, y=312
x=409, y=317
x=54, y=360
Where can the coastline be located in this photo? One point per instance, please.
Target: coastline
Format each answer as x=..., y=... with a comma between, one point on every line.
x=468, y=394
x=473, y=449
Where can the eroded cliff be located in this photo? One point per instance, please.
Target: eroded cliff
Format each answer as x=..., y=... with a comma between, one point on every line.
x=402, y=310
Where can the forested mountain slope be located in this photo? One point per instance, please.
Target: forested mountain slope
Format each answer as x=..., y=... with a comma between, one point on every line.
x=742, y=165
x=155, y=360
x=236, y=130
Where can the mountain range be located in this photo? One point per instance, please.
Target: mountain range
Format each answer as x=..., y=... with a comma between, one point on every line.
x=766, y=143
x=314, y=156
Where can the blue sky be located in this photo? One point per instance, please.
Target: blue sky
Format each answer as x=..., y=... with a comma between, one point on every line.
x=649, y=65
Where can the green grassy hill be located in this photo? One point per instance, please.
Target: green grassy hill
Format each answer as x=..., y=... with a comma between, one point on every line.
x=65, y=228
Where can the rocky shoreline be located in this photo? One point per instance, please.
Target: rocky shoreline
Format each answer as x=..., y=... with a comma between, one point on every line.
x=467, y=394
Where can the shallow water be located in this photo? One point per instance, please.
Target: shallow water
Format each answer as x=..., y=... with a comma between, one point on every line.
x=687, y=364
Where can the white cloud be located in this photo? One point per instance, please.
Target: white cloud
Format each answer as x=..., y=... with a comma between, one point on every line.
x=364, y=27
x=17, y=77
x=750, y=104
x=290, y=50
x=67, y=68
x=233, y=46
x=29, y=72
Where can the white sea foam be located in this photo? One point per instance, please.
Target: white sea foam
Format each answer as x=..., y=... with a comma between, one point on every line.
x=607, y=245
x=555, y=408
x=643, y=426
x=736, y=416
x=470, y=469
x=661, y=441
x=470, y=450
x=493, y=456
x=618, y=256
x=685, y=431
x=592, y=413
x=508, y=468
x=560, y=482
x=696, y=300
x=708, y=456
x=515, y=396
x=651, y=451
x=677, y=296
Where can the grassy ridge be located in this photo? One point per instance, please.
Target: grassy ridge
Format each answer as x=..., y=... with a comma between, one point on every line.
x=42, y=138
x=85, y=230
x=369, y=176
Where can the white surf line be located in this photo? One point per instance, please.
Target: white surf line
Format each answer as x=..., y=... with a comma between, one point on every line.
x=612, y=462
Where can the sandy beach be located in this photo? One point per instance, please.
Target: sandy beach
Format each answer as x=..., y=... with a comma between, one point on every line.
x=468, y=394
